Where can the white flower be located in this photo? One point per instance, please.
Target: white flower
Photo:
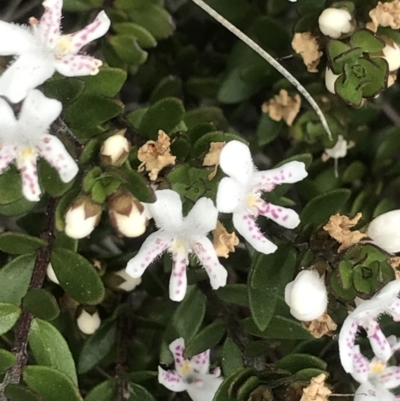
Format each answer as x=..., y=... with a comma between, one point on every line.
x=41, y=50
x=180, y=235
x=384, y=231
x=334, y=22
x=81, y=218
x=339, y=150
x=306, y=296
x=115, y=150
x=51, y=275
x=391, y=54
x=88, y=323
x=330, y=79
x=129, y=283
x=240, y=193
x=190, y=375
x=25, y=138
x=365, y=315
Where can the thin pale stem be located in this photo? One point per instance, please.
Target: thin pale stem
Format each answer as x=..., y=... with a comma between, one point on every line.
x=266, y=56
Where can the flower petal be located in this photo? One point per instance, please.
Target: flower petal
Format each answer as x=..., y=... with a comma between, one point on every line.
x=167, y=210
x=236, y=161
x=29, y=71
x=26, y=163
x=7, y=154
x=246, y=226
x=288, y=173
x=154, y=246
x=53, y=150
x=37, y=114
x=91, y=32
x=204, y=250
x=379, y=343
x=8, y=122
x=391, y=377
x=201, y=362
x=367, y=392
x=394, y=309
x=347, y=337
x=360, y=366
x=178, y=280
x=49, y=25
x=182, y=365
x=17, y=39
x=171, y=380
x=77, y=65
x=230, y=195
x=202, y=218
x=204, y=389
x=283, y=216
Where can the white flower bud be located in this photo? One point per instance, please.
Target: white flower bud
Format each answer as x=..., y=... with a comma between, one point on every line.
x=330, y=79
x=115, y=149
x=339, y=150
x=391, y=53
x=82, y=217
x=384, y=231
x=128, y=215
x=51, y=275
x=334, y=22
x=88, y=323
x=306, y=296
x=129, y=282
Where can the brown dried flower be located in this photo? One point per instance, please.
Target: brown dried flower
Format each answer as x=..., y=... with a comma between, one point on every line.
x=317, y=390
x=156, y=155
x=385, y=14
x=212, y=157
x=394, y=262
x=224, y=242
x=323, y=326
x=339, y=226
x=307, y=46
x=283, y=106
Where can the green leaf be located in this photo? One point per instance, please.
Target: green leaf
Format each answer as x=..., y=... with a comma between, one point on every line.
x=66, y=90
x=349, y=91
x=7, y=359
x=103, y=392
x=368, y=41
x=144, y=38
x=139, y=393
x=9, y=314
x=50, y=348
x=10, y=182
x=51, y=384
x=108, y=82
x=17, y=208
x=213, y=116
x=169, y=86
x=16, y=392
x=295, y=362
x=51, y=181
x=234, y=293
x=19, y=243
x=128, y=49
x=136, y=184
x=319, y=209
x=97, y=347
x=308, y=374
x=185, y=322
x=15, y=277
x=77, y=276
x=232, y=358
x=206, y=339
x=42, y=304
x=334, y=49
x=164, y=115
x=227, y=391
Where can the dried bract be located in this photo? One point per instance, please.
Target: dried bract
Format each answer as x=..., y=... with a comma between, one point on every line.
x=317, y=390
x=306, y=45
x=224, y=242
x=212, y=157
x=283, y=106
x=385, y=14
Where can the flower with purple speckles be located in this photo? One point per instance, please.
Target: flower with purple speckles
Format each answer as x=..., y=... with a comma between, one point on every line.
x=191, y=375
x=24, y=138
x=375, y=377
x=240, y=193
x=41, y=50
x=180, y=235
x=386, y=301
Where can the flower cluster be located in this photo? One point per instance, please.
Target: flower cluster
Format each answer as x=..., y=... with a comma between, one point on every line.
x=375, y=376
x=40, y=50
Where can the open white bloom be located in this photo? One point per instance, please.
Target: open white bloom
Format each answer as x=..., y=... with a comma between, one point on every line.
x=391, y=53
x=384, y=231
x=190, y=375
x=180, y=235
x=240, y=193
x=41, y=50
x=375, y=376
x=334, y=22
x=27, y=137
x=87, y=322
x=386, y=301
x=306, y=296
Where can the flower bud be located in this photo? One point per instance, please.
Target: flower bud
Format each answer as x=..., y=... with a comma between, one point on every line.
x=391, y=53
x=82, y=217
x=339, y=150
x=51, y=275
x=306, y=296
x=335, y=22
x=115, y=149
x=126, y=282
x=88, y=322
x=384, y=231
x=127, y=214
x=330, y=79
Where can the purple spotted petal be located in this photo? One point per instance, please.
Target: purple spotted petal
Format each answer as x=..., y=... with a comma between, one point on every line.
x=178, y=280
x=246, y=226
x=77, y=65
x=177, y=349
x=391, y=377
x=347, y=337
x=394, y=309
x=49, y=26
x=360, y=366
x=7, y=154
x=26, y=163
x=171, y=380
x=377, y=339
x=201, y=362
x=154, y=246
x=283, y=216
